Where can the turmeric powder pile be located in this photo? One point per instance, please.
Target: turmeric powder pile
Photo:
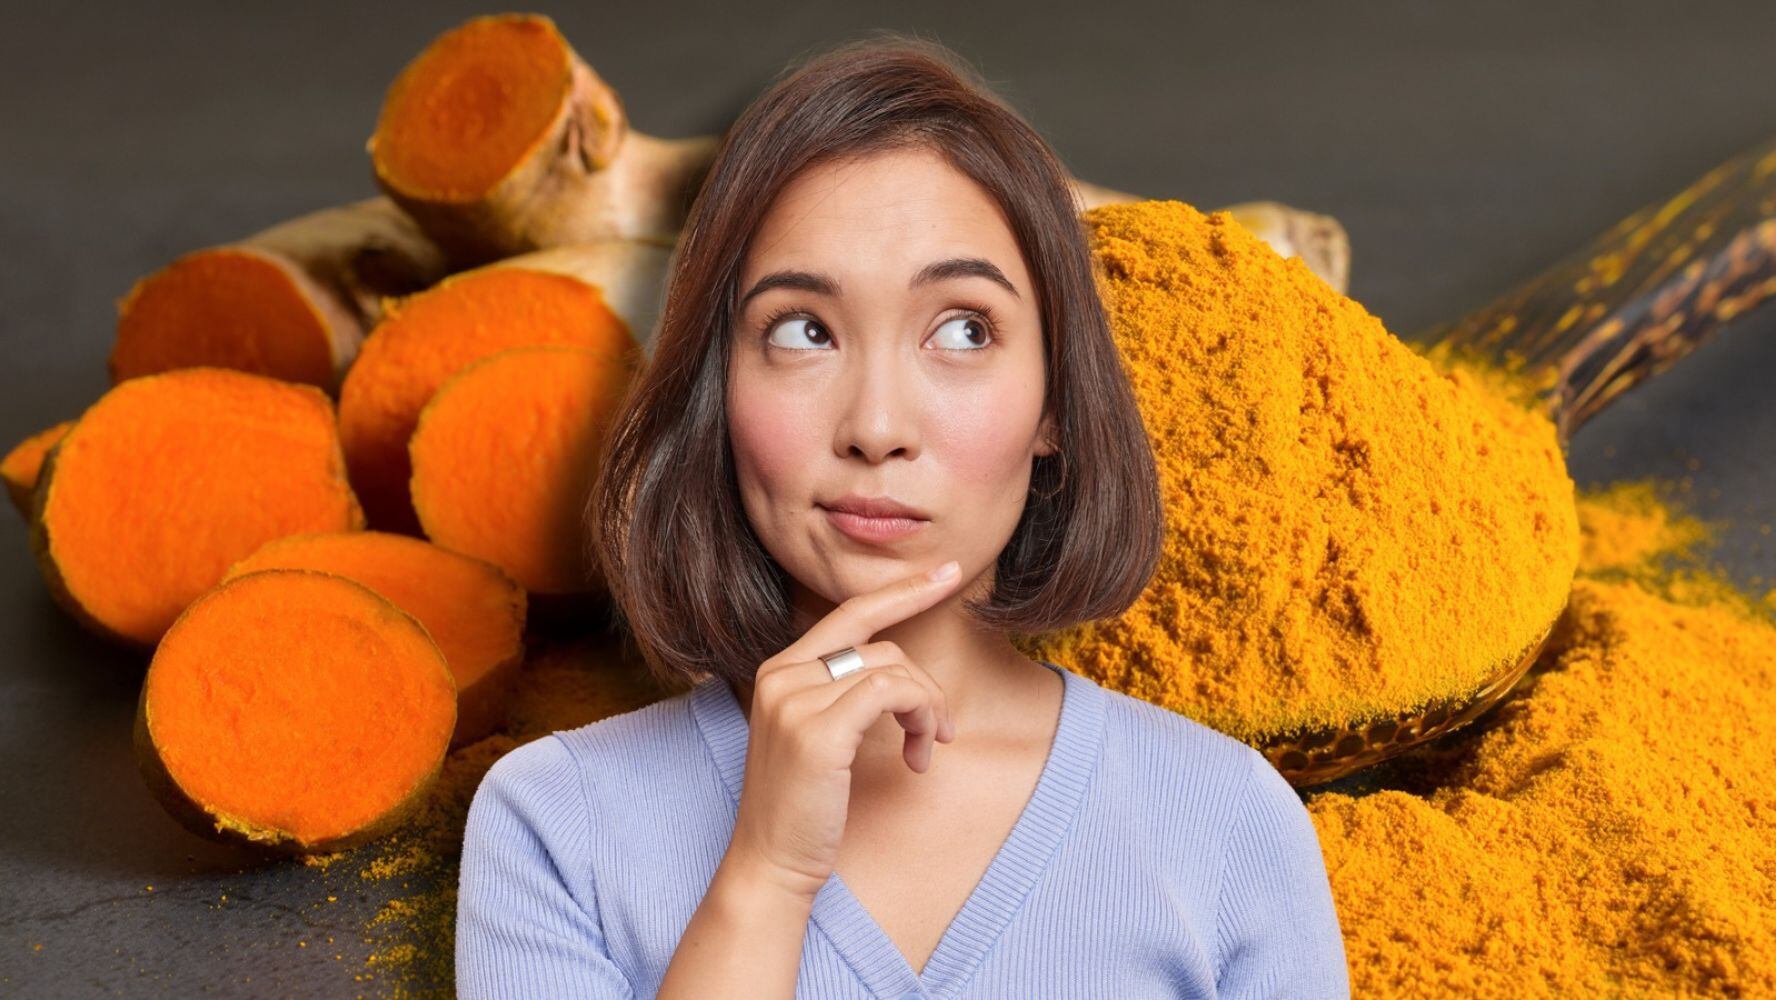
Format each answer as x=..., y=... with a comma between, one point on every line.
x=1613, y=830
x=1350, y=533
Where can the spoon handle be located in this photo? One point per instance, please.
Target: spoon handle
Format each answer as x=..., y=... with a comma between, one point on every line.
x=1639, y=298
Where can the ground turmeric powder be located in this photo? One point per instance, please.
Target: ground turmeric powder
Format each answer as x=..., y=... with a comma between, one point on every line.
x=1611, y=831
x=1350, y=533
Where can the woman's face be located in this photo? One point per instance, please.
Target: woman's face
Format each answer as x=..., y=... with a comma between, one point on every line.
x=888, y=346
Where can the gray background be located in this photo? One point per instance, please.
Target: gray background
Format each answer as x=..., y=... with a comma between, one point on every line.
x=1462, y=150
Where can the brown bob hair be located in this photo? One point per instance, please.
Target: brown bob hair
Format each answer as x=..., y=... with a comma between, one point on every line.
x=665, y=522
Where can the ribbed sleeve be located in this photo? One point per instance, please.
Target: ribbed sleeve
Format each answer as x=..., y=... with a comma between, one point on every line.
x=527, y=924
x=1276, y=929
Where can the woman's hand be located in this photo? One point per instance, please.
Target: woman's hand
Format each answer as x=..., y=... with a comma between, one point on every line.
x=806, y=728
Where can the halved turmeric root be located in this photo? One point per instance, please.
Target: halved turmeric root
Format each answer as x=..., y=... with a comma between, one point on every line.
x=168, y=479
x=22, y=464
x=505, y=454
x=473, y=610
x=293, y=302
x=499, y=139
x=294, y=711
x=601, y=296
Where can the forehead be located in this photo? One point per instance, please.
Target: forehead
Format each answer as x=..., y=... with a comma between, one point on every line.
x=895, y=209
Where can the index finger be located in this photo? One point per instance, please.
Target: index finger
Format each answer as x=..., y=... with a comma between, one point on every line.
x=856, y=620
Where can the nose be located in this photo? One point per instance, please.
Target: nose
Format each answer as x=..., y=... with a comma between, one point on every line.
x=877, y=406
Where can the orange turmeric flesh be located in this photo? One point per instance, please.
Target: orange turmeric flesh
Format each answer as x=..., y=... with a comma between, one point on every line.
x=473, y=611
x=505, y=454
x=297, y=709
x=471, y=107
x=428, y=337
x=22, y=464
x=168, y=479
x=227, y=307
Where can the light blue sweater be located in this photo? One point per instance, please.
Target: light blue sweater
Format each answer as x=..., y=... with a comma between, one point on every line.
x=1155, y=858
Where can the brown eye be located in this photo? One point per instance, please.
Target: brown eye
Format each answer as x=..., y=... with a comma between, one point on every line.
x=802, y=332
x=964, y=333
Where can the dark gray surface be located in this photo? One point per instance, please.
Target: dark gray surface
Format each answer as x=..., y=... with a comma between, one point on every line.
x=1463, y=151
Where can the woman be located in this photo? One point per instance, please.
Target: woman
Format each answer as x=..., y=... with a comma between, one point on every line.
x=884, y=428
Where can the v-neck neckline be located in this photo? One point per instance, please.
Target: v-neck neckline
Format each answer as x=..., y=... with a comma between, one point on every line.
x=1009, y=878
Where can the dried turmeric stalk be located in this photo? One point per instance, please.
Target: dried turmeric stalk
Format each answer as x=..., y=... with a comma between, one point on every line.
x=600, y=295
x=22, y=464
x=294, y=711
x=293, y=302
x=499, y=140
x=505, y=453
x=473, y=611
x=168, y=479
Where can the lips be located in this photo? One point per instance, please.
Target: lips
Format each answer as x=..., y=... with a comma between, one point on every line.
x=876, y=507
x=874, y=519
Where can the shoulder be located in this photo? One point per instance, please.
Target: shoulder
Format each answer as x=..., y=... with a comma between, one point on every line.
x=637, y=735
x=1163, y=744
x=1190, y=785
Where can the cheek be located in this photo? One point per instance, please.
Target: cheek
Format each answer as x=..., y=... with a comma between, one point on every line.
x=773, y=434
x=984, y=436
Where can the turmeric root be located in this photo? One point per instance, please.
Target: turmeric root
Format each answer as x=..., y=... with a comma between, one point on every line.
x=22, y=464
x=293, y=302
x=505, y=454
x=473, y=611
x=499, y=140
x=600, y=295
x=293, y=712
x=168, y=479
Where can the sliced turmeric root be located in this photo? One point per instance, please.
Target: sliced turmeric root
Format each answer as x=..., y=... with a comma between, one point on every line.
x=168, y=479
x=473, y=610
x=294, y=301
x=499, y=140
x=600, y=295
x=22, y=464
x=294, y=711
x=505, y=454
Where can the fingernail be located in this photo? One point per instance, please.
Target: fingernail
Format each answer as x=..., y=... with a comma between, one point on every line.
x=944, y=572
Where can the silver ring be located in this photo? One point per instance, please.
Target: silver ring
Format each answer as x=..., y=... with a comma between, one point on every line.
x=842, y=662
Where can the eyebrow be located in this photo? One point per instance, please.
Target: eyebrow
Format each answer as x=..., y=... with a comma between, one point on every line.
x=941, y=270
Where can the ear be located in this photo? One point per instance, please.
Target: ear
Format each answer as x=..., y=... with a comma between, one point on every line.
x=1047, y=440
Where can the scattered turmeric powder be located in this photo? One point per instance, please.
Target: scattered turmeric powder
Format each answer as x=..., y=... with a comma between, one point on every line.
x=1350, y=533
x=1610, y=832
